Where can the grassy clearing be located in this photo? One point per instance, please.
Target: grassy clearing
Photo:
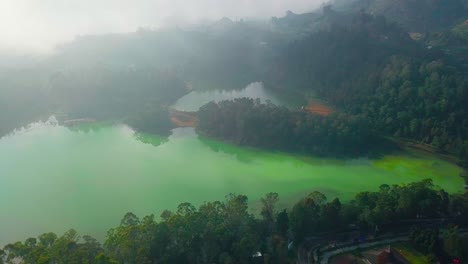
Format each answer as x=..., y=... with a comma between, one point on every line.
x=411, y=254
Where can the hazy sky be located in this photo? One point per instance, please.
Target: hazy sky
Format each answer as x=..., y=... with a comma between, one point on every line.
x=38, y=25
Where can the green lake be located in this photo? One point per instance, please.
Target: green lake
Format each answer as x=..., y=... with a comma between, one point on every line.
x=53, y=178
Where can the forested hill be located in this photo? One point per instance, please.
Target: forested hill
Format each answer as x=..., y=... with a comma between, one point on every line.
x=369, y=66
x=233, y=50
x=413, y=15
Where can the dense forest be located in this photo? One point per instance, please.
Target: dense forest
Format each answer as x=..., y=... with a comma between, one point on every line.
x=226, y=232
x=368, y=66
x=249, y=122
x=415, y=16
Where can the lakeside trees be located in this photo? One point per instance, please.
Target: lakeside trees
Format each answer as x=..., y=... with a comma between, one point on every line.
x=49, y=248
x=226, y=232
x=248, y=122
x=137, y=96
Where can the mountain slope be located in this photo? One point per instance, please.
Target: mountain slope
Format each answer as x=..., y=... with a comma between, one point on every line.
x=372, y=67
x=413, y=15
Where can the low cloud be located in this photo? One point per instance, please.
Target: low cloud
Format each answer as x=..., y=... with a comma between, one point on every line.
x=37, y=26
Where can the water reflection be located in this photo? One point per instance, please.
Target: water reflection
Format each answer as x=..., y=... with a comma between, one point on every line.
x=183, y=132
x=195, y=99
x=218, y=147
x=153, y=140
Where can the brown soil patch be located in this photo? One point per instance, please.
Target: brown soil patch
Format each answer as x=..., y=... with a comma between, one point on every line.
x=183, y=119
x=318, y=108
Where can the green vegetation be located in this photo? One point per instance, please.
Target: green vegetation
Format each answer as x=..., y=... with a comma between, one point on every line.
x=453, y=244
x=449, y=245
x=369, y=67
x=414, y=15
x=410, y=254
x=224, y=232
x=461, y=30
x=249, y=122
x=154, y=120
x=49, y=248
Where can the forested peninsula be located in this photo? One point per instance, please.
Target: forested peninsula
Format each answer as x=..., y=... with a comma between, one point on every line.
x=252, y=123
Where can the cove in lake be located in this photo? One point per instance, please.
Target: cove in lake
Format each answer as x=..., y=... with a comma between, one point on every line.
x=196, y=99
x=53, y=178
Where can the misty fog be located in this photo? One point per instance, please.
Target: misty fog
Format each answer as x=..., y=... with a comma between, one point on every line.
x=29, y=26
